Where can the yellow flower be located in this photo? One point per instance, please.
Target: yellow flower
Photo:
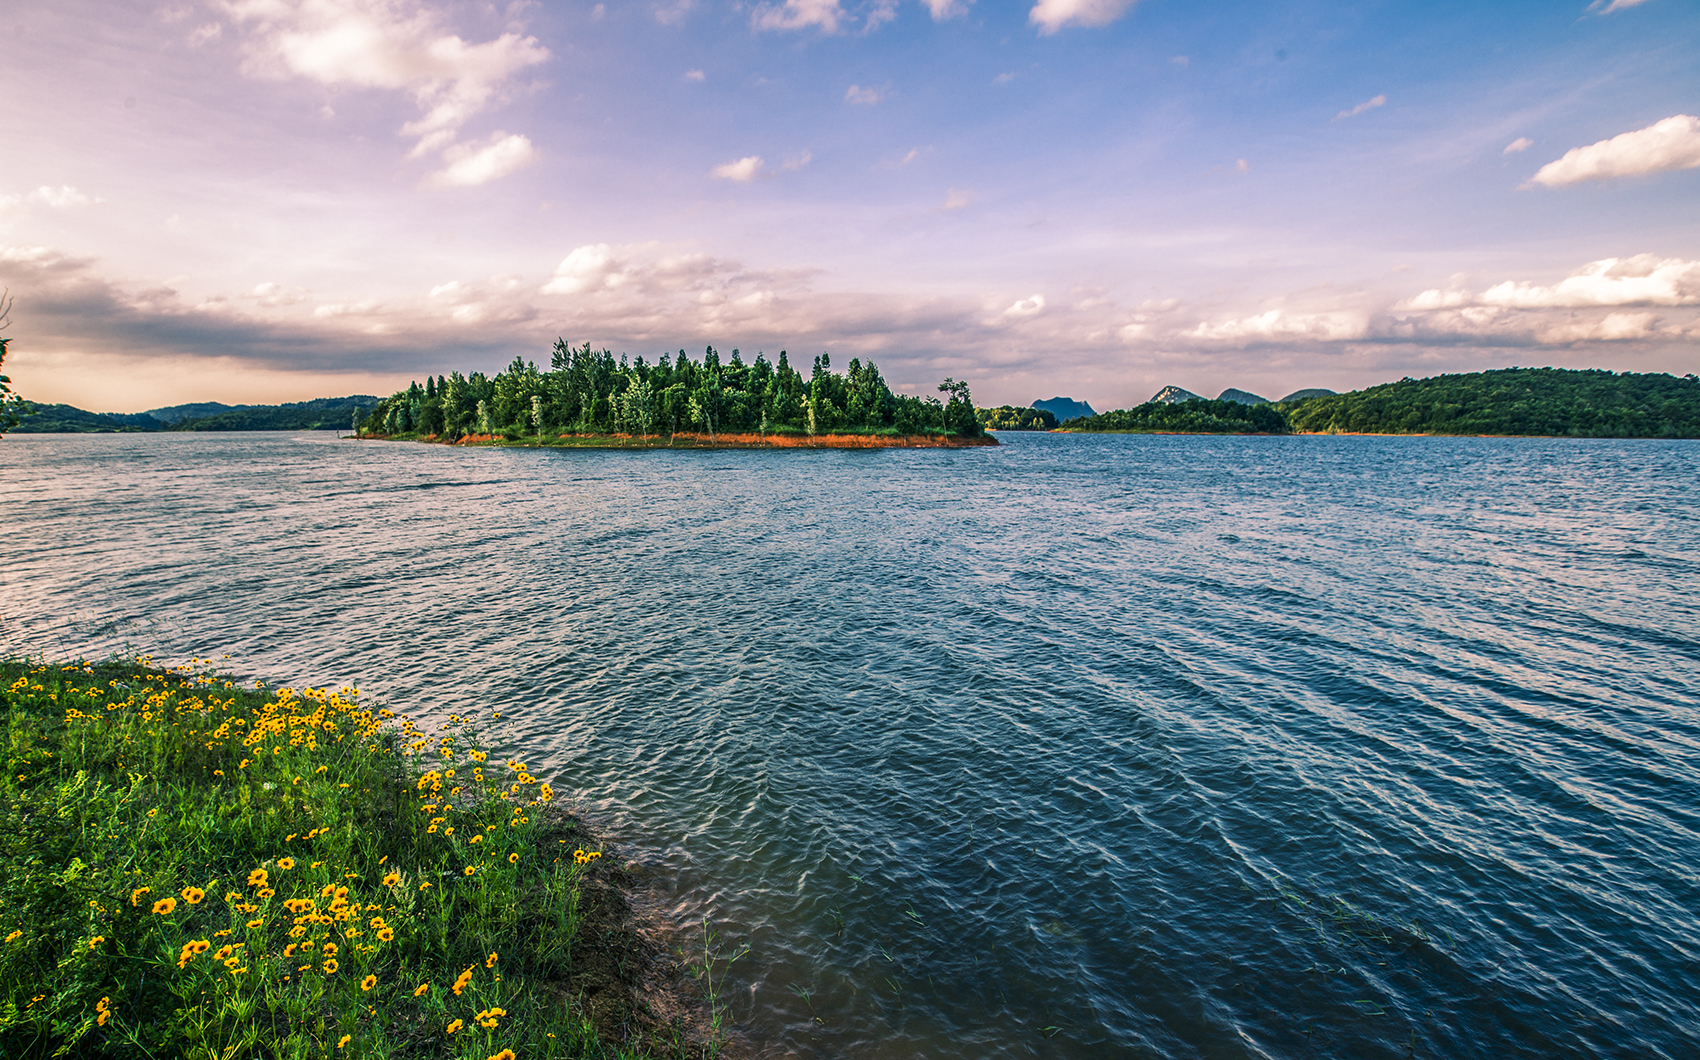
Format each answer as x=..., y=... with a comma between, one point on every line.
x=456, y=1025
x=490, y=961
x=13, y=935
x=154, y=812
x=265, y=892
x=386, y=934
x=392, y=878
x=256, y=922
x=330, y=967
x=424, y=988
x=104, y=1011
x=343, y=1040
x=369, y=982
x=461, y=981
x=286, y=863
x=470, y=869
x=136, y=895
x=96, y=941
x=165, y=906
x=193, y=895
x=257, y=878
x=487, y=1018
x=476, y=839
x=513, y=859
x=505, y=1054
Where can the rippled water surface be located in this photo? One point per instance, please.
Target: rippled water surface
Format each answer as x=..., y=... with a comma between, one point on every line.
x=1075, y=747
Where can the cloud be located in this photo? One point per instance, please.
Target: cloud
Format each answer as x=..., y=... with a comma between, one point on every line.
x=695, y=75
x=1522, y=143
x=1613, y=327
x=871, y=94
x=957, y=199
x=61, y=198
x=1673, y=143
x=943, y=9
x=470, y=165
x=1003, y=78
x=1242, y=166
x=1644, y=279
x=798, y=14
x=674, y=14
x=1368, y=104
x=743, y=170
x=1052, y=15
x=1281, y=324
x=400, y=45
x=1027, y=307
x=791, y=165
x=1615, y=5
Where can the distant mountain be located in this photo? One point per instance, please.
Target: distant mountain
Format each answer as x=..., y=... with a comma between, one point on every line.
x=320, y=414
x=1244, y=397
x=1300, y=395
x=68, y=419
x=174, y=413
x=1169, y=395
x=1064, y=408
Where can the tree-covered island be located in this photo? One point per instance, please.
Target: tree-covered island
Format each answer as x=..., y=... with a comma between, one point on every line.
x=587, y=397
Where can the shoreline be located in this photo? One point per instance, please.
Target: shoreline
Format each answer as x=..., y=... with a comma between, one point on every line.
x=527, y=888
x=697, y=440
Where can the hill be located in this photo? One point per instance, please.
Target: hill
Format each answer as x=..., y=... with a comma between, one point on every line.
x=174, y=413
x=320, y=414
x=67, y=419
x=1590, y=403
x=1170, y=395
x=1010, y=418
x=1197, y=416
x=1244, y=397
x=1064, y=408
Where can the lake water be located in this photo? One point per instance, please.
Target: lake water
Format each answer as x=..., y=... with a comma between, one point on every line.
x=1076, y=747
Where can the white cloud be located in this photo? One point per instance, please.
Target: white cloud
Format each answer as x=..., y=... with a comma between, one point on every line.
x=798, y=14
x=1052, y=15
x=695, y=75
x=273, y=295
x=1027, y=307
x=1613, y=327
x=587, y=268
x=1368, y=104
x=743, y=170
x=1522, y=143
x=209, y=32
x=392, y=44
x=1280, y=324
x=957, y=199
x=943, y=9
x=675, y=13
x=791, y=165
x=61, y=197
x=1242, y=166
x=470, y=165
x=871, y=94
x=1615, y=5
x=1673, y=143
x=1640, y=280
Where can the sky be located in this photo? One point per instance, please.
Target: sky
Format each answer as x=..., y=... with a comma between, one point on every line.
x=256, y=201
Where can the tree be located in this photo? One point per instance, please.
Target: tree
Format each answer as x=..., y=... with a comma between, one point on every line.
x=11, y=405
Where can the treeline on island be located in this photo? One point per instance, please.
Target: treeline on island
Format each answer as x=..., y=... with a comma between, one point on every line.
x=1549, y=402
x=319, y=414
x=586, y=391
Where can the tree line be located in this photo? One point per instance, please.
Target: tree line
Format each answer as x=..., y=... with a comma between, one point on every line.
x=588, y=391
x=1201, y=416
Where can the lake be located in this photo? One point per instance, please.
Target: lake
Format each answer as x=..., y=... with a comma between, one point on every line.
x=1082, y=746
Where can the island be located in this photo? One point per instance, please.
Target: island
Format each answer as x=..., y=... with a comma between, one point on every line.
x=587, y=398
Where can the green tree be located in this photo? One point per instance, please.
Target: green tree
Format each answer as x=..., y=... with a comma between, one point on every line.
x=11, y=405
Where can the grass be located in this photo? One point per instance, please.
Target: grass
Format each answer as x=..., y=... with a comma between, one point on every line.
x=190, y=868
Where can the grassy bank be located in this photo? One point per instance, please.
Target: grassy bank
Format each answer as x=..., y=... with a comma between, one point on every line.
x=192, y=868
x=885, y=438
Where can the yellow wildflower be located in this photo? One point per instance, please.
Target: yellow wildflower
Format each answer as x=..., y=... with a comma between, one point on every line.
x=330, y=967
x=193, y=895
x=96, y=941
x=164, y=906
x=392, y=878
x=461, y=981
x=424, y=988
x=456, y=1025
x=490, y=961
x=343, y=1040
x=286, y=863
x=136, y=895
x=369, y=982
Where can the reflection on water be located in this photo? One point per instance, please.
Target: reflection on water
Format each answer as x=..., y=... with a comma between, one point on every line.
x=1077, y=747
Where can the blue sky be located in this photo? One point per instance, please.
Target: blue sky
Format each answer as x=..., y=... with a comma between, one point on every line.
x=269, y=200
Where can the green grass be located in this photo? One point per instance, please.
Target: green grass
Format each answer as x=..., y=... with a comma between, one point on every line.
x=189, y=868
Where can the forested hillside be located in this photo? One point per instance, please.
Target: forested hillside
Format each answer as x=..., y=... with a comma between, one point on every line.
x=319, y=414
x=1591, y=403
x=66, y=419
x=589, y=392
x=1010, y=418
x=1197, y=416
